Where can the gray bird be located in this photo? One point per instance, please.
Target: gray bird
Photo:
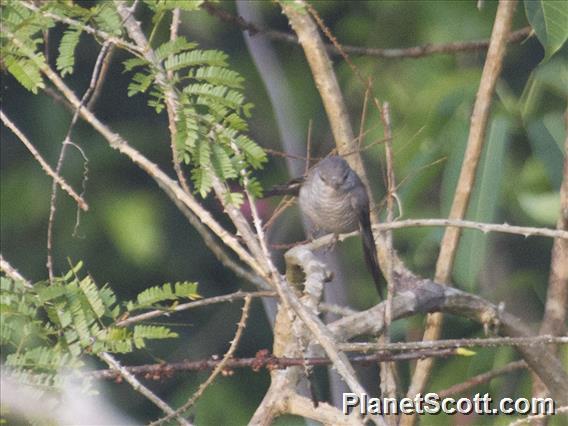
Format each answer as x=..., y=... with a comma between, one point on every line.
x=335, y=201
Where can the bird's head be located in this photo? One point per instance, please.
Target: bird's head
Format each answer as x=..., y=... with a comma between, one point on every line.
x=333, y=171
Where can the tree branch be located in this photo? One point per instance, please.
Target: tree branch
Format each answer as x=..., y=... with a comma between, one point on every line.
x=396, y=53
x=554, y=320
x=476, y=139
x=46, y=167
x=218, y=368
x=262, y=360
x=415, y=297
x=139, y=387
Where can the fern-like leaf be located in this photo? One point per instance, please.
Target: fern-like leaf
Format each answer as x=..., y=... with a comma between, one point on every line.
x=26, y=72
x=195, y=58
x=144, y=332
x=173, y=47
x=66, y=59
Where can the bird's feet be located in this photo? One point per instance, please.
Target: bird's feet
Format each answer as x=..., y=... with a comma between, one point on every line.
x=332, y=243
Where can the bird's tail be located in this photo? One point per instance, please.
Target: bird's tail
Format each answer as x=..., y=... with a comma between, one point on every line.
x=370, y=253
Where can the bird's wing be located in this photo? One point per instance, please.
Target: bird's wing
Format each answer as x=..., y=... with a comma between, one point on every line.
x=360, y=203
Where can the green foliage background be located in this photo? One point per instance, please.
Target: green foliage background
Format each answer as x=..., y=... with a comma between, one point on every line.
x=134, y=238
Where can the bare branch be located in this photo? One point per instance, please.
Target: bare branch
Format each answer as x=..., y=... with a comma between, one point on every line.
x=115, y=141
x=172, y=103
x=12, y=272
x=474, y=381
x=139, y=387
x=421, y=296
x=554, y=320
x=466, y=224
x=66, y=142
x=400, y=53
x=388, y=381
x=89, y=30
x=46, y=167
x=264, y=360
x=530, y=419
x=525, y=231
x=192, y=305
x=476, y=139
x=218, y=369
x=453, y=343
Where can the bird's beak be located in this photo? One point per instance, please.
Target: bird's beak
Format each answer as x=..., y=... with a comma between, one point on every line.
x=335, y=183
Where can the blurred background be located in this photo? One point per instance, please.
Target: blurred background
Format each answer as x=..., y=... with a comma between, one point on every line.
x=133, y=237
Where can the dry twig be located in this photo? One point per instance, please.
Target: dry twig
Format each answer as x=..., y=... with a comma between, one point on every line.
x=46, y=167
x=217, y=370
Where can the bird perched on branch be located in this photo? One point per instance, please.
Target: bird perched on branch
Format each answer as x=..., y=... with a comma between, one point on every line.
x=335, y=200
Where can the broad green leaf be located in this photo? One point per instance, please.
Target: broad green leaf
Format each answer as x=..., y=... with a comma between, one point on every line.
x=547, y=149
x=484, y=204
x=549, y=19
x=542, y=208
x=133, y=224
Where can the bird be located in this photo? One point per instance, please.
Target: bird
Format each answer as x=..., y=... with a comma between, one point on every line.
x=334, y=200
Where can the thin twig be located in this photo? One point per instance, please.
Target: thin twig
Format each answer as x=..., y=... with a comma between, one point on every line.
x=140, y=388
x=88, y=29
x=529, y=419
x=396, y=53
x=172, y=110
x=466, y=224
x=525, y=231
x=362, y=132
x=388, y=382
x=455, y=343
x=474, y=381
x=218, y=369
x=192, y=305
x=263, y=360
x=284, y=204
x=308, y=148
x=102, y=78
x=66, y=142
x=115, y=141
x=46, y=167
x=195, y=214
x=12, y=272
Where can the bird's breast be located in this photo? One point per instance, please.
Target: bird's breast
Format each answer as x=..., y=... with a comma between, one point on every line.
x=329, y=209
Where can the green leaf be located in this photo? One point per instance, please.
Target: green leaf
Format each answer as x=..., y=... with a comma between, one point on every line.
x=217, y=76
x=546, y=148
x=543, y=208
x=134, y=225
x=202, y=179
x=196, y=57
x=549, y=19
x=152, y=296
x=255, y=155
x=132, y=63
x=26, y=72
x=484, y=204
x=91, y=292
x=254, y=187
x=140, y=83
x=160, y=5
x=235, y=198
x=66, y=59
x=107, y=18
x=186, y=289
x=222, y=163
x=173, y=47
